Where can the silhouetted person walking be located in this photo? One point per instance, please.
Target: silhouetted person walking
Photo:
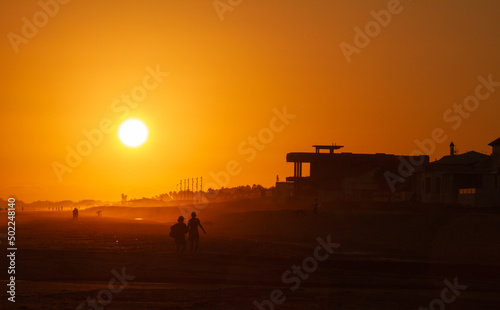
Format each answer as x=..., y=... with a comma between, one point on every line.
x=194, y=235
x=178, y=232
x=75, y=213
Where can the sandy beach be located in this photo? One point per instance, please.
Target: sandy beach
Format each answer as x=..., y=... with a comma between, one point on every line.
x=384, y=260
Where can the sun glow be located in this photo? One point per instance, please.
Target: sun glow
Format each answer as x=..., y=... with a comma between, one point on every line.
x=133, y=132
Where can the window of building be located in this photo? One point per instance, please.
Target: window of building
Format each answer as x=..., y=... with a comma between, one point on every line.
x=464, y=191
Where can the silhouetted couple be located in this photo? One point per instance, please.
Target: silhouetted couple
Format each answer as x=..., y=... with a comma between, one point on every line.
x=179, y=230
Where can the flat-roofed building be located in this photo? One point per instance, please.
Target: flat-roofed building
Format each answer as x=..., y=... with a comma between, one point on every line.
x=330, y=176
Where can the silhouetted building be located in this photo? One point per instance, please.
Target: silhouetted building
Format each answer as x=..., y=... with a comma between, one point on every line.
x=282, y=191
x=471, y=178
x=347, y=176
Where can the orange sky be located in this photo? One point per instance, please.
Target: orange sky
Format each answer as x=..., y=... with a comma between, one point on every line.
x=225, y=79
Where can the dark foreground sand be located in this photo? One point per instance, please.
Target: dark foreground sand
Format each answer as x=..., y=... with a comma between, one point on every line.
x=386, y=260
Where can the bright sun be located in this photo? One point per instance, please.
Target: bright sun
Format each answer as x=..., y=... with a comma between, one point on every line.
x=133, y=132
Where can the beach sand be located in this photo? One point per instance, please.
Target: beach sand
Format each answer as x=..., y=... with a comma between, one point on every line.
x=386, y=259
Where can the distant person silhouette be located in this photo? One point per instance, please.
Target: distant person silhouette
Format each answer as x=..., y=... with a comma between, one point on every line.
x=194, y=235
x=316, y=206
x=99, y=213
x=75, y=213
x=178, y=232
